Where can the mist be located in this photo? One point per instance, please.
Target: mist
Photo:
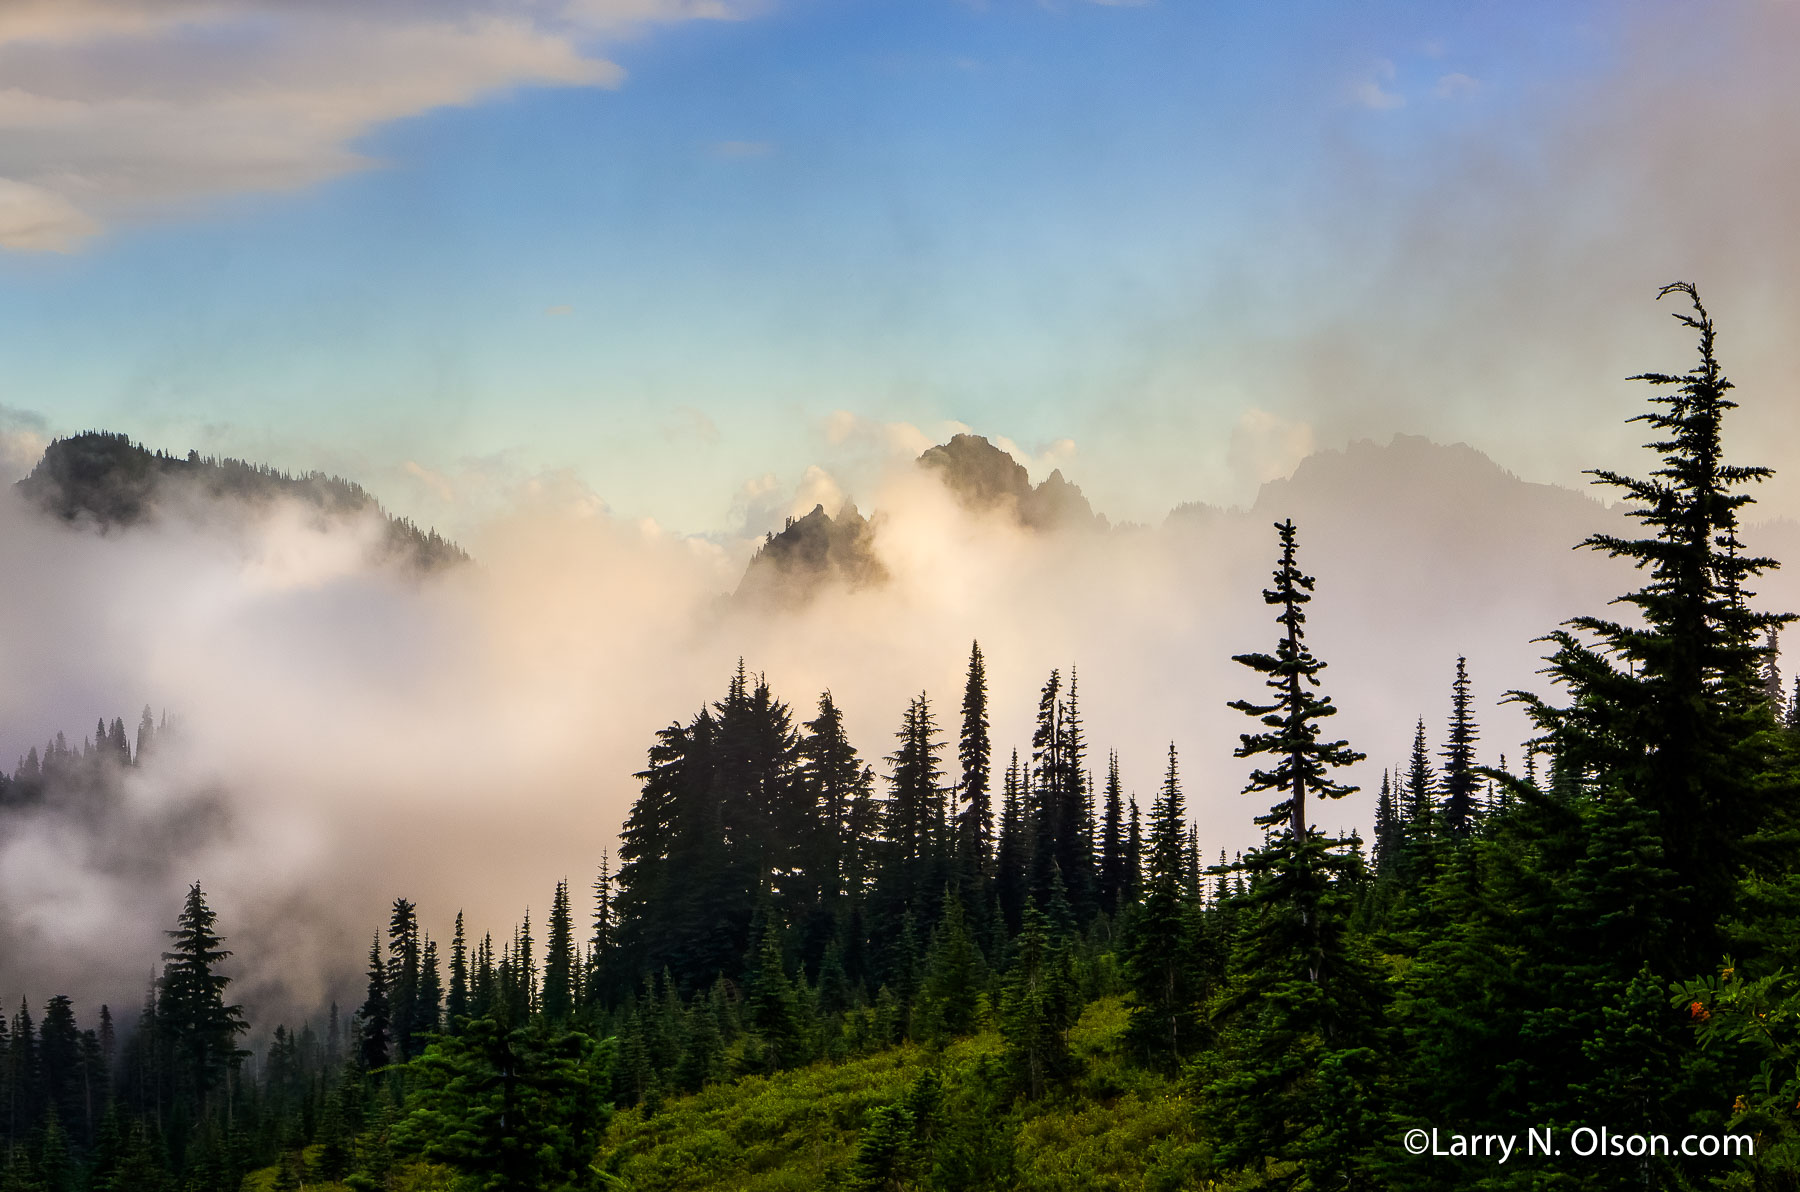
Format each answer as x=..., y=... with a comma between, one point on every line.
x=350, y=732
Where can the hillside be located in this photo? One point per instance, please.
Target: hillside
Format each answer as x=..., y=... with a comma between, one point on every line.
x=107, y=481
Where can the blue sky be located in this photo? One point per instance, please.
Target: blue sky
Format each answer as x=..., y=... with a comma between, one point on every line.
x=1168, y=245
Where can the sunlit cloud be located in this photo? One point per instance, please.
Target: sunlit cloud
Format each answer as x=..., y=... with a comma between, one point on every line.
x=116, y=108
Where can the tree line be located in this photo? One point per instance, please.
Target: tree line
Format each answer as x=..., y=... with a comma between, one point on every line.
x=1596, y=936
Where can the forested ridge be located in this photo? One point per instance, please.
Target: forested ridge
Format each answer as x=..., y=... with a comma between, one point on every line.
x=950, y=962
x=107, y=480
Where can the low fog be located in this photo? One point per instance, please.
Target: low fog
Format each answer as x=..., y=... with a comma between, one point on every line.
x=350, y=732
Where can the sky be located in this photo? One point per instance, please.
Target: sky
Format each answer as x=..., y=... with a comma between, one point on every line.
x=606, y=289
x=678, y=252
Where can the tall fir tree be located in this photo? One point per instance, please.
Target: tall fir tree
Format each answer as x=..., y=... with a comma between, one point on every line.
x=599, y=978
x=377, y=1043
x=428, y=1003
x=1389, y=828
x=1297, y=1017
x=1012, y=854
x=1460, y=780
x=1113, y=843
x=1037, y=1008
x=559, y=959
x=916, y=833
x=1419, y=818
x=403, y=960
x=974, y=751
x=1302, y=764
x=1668, y=712
x=201, y=1026
x=1157, y=952
x=1134, y=856
x=456, y=1004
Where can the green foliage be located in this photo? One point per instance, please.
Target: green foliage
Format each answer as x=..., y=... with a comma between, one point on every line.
x=1037, y=1009
x=1762, y=1016
x=517, y=1109
x=954, y=977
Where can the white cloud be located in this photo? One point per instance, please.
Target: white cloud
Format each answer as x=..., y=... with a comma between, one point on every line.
x=23, y=437
x=436, y=483
x=1267, y=447
x=33, y=219
x=1370, y=90
x=112, y=108
x=901, y=439
x=1455, y=86
x=817, y=487
x=1058, y=454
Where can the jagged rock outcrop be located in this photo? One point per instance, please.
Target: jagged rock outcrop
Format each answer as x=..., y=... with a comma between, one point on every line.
x=983, y=477
x=812, y=551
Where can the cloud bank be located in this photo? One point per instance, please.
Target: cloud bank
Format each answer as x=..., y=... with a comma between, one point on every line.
x=350, y=734
x=117, y=108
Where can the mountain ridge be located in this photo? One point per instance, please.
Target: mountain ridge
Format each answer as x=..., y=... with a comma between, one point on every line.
x=104, y=479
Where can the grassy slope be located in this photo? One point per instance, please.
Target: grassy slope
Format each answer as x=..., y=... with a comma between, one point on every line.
x=1116, y=1127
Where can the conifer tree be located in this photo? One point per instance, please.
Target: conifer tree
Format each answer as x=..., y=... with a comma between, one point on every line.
x=1301, y=762
x=403, y=975
x=975, y=827
x=201, y=1027
x=429, y=1006
x=515, y=1108
x=1419, y=817
x=525, y=1000
x=1298, y=1014
x=1134, y=856
x=59, y=1063
x=559, y=958
x=1667, y=713
x=1157, y=947
x=600, y=944
x=484, y=981
x=377, y=1019
x=1076, y=845
x=840, y=787
x=1012, y=856
x=456, y=1005
x=915, y=832
x=1043, y=789
x=1389, y=828
x=1460, y=780
x=953, y=974
x=1038, y=1007
x=1773, y=693
x=772, y=1007
x=1113, y=842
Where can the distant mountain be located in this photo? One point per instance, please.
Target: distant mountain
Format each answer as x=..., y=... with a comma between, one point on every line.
x=983, y=477
x=818, y=549
x=1406, y=499
x=810, y=551
x=108, y=481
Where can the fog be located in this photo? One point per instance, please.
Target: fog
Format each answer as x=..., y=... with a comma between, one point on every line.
x=350, y=732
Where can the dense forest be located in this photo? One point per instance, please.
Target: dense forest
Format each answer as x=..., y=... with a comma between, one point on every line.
x=962, y=965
